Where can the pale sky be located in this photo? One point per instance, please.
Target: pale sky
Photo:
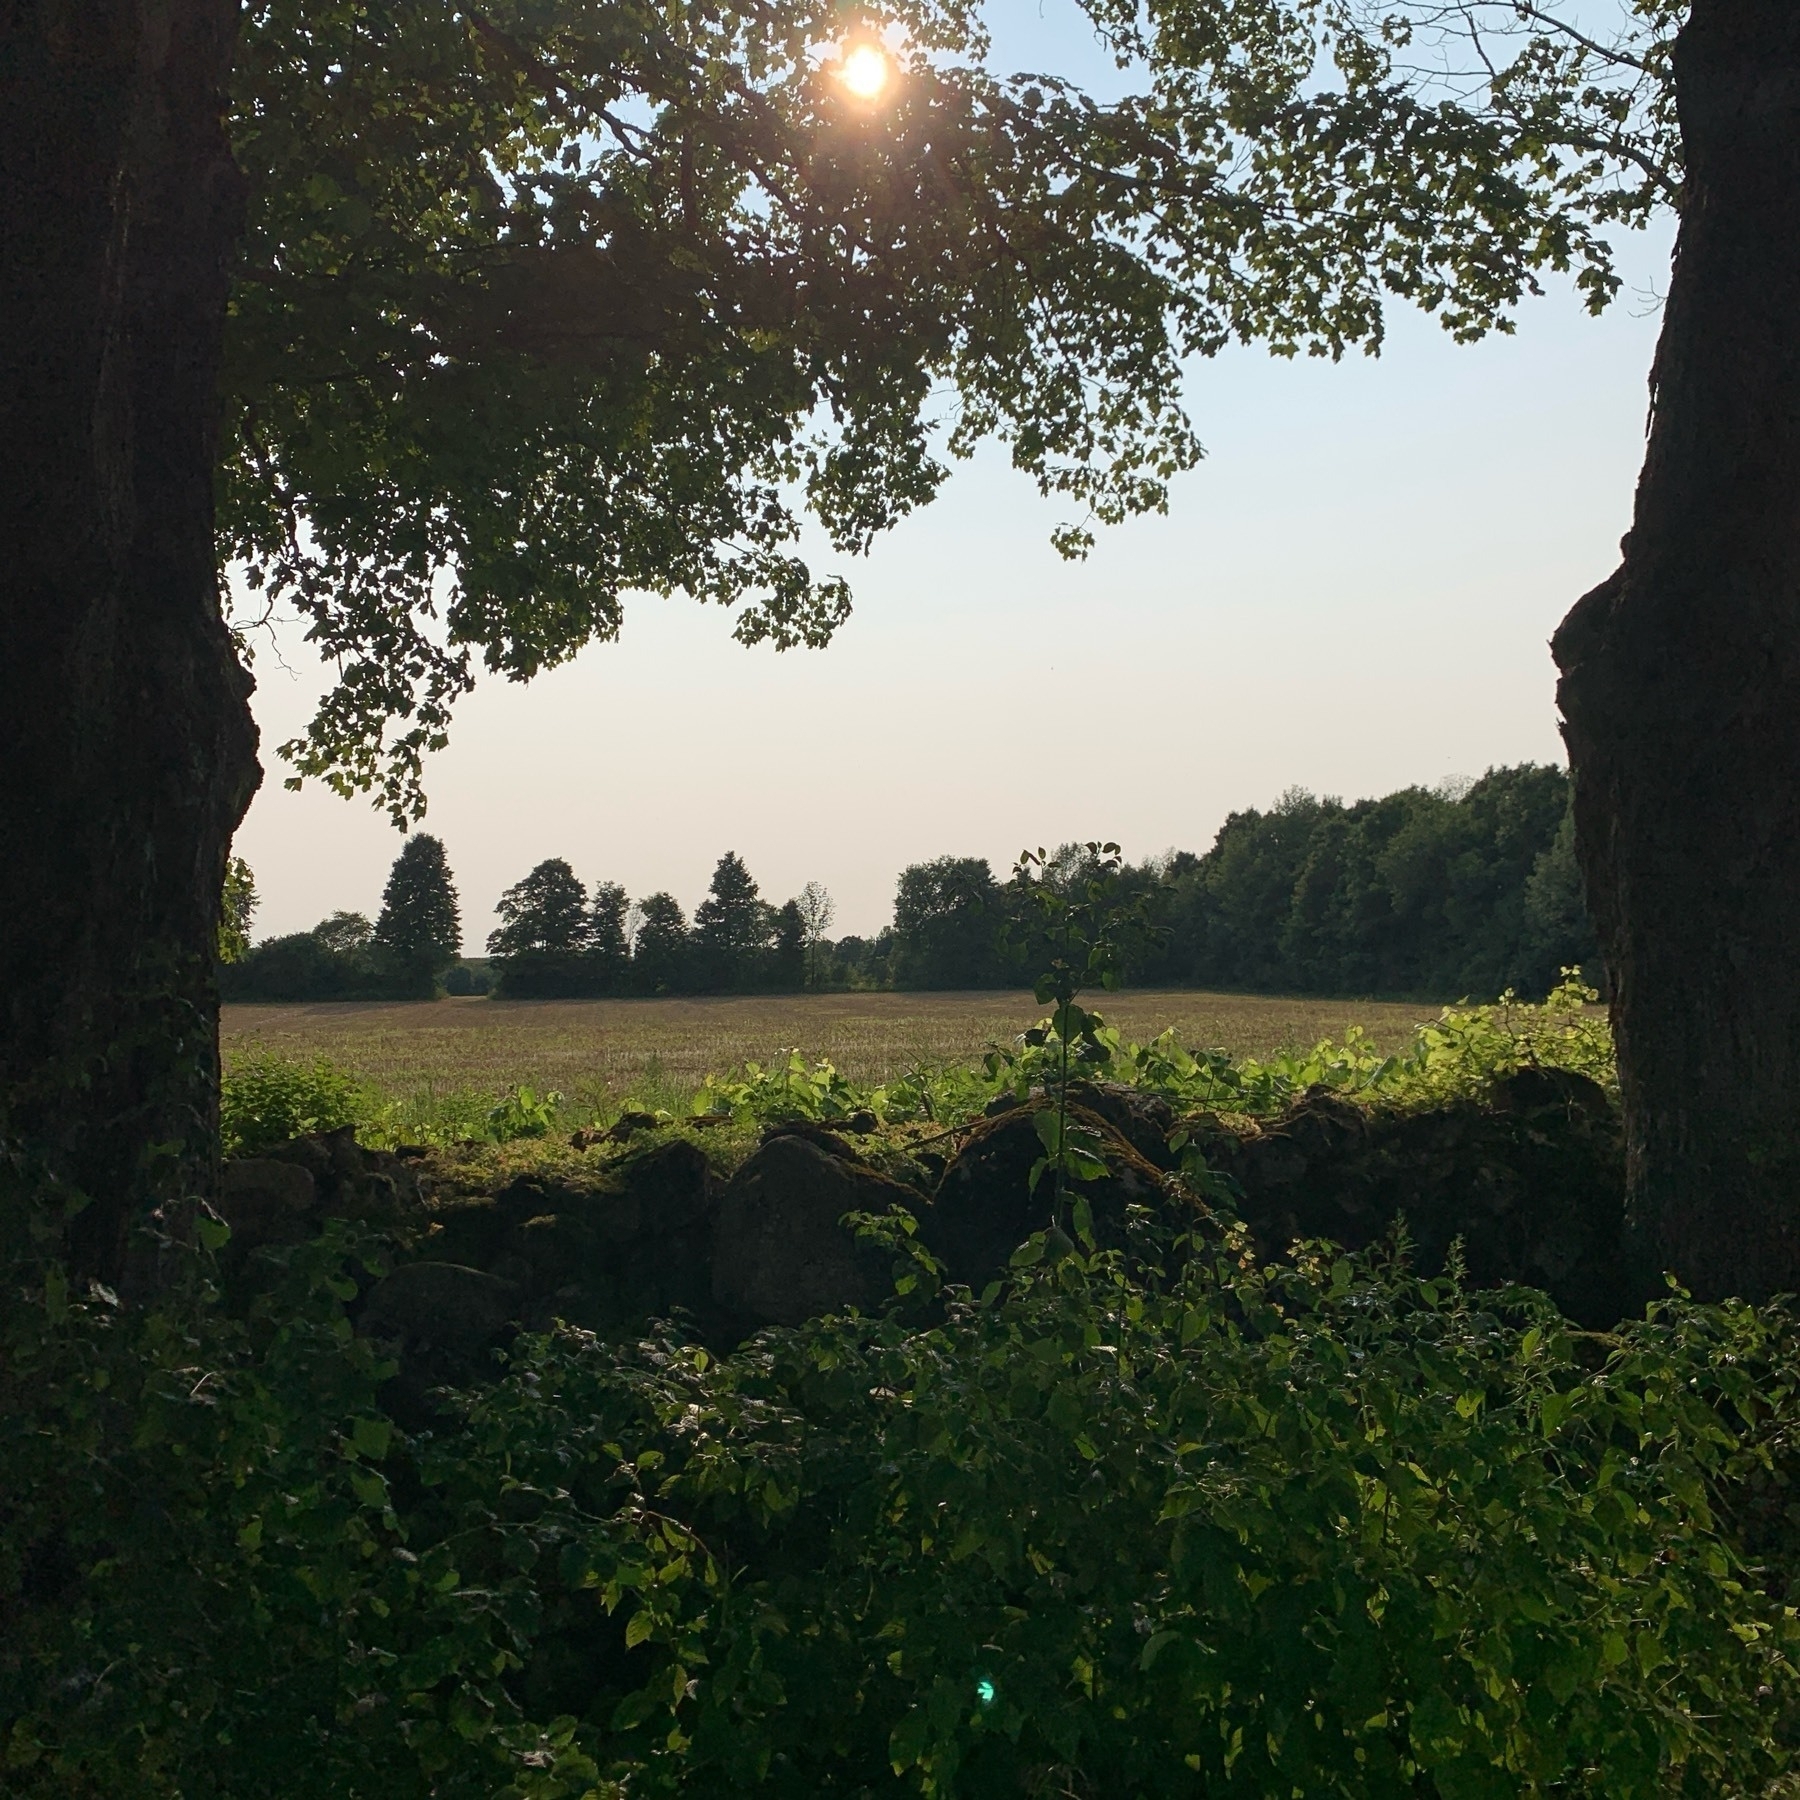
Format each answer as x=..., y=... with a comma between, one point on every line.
x=1355, y=591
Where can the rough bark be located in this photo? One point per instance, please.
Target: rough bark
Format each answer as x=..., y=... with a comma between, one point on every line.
x=127, y=753
x=1680, y=693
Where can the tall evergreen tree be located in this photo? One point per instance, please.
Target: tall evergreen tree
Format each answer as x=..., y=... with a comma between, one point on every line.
x=661, y=954
x=419, y=933
x=731, y=928
x=607, y=948
x=542, y=940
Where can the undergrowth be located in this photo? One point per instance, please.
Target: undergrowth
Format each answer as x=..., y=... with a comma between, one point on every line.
x=1109, y=1529
x=1164, y=1522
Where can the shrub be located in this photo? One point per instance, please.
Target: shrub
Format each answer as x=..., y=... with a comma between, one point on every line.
x=521, y=1112
x=265, y=1100
x=1319, y=1528
x=1324, y=1529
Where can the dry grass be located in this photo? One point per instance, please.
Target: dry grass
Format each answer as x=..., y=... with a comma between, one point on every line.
x=595, y=1050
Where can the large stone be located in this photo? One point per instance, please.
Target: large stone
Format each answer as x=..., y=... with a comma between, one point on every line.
x=635, y=1248
x=780, y=1252
x=375, y=1186
x=440, y=1306
x=1530, y=1183
x=1320, y=1129
x=672, y=1186
x=605, y=1247
x=985, y=1206
x=266, y=1201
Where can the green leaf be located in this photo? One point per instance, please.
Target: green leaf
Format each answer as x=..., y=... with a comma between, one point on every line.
x=1028, y=1253
x=371, y=1437
x=370, y=1488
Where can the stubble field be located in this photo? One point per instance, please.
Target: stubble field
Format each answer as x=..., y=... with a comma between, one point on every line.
x=596, y=1051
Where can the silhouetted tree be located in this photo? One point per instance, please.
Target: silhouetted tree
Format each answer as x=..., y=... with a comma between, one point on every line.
x=419, y=933
x=541, y=943
x=731, y=928
x=607, y=948
x=1423, y=891
x=344, y=933
x=333, y=961
x=661, y=953
x=787, y=961
x=947, y=917
x=1559, y=929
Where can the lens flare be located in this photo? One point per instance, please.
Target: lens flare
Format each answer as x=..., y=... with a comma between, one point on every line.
x=865, y=70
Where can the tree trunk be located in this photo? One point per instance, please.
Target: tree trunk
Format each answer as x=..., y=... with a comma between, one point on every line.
x=127, y=753
x=1680, y=693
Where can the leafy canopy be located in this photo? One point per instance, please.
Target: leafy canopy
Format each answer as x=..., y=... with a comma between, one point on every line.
x=559, y=299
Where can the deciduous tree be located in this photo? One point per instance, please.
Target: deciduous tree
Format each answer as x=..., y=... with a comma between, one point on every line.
x=127, y=755
x=787, y=956
x=817, y=910
x=946, y=924
x=541, y=943
x=236, y=911
x=661, y=953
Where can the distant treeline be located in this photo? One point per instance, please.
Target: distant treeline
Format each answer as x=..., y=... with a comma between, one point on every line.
x=554, y=941
x=1433, y=892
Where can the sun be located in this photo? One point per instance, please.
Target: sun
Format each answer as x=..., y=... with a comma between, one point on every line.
x=865, y=70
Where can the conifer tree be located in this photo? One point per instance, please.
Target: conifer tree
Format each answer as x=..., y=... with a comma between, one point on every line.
x=731, y=927
x=419, y=933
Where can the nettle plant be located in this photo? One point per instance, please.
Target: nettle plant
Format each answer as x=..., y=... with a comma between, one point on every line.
x=1079, y=929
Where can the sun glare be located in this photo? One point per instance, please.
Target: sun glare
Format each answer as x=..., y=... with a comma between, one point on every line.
x=865, y=70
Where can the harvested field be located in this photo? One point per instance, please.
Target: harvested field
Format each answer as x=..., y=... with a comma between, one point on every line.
x=659, y=1050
